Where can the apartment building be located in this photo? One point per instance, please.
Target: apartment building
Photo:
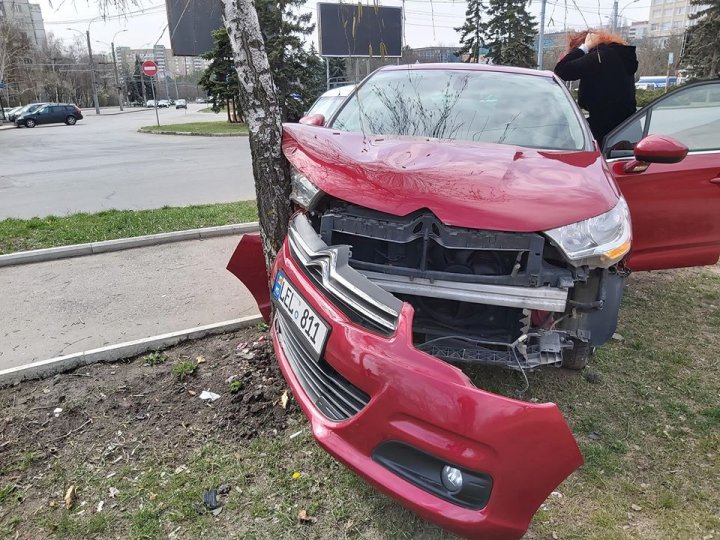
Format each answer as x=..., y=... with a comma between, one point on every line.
x=27, y=16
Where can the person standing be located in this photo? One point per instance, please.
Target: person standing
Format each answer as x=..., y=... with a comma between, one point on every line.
x=605, y=65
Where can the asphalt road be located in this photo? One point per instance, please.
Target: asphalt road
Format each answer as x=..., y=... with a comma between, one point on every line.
x=103, y=163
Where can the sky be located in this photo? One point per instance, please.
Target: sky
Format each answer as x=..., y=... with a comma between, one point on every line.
x=426, y=23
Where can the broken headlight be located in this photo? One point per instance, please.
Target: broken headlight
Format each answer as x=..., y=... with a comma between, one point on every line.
x=597, y=242
x=304, y=192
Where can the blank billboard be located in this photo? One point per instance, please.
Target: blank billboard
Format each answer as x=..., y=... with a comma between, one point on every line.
x=191, y=23
x=359, y=30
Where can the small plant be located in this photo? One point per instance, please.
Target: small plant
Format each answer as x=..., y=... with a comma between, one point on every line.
x=235, y=386
x=184, y=369
x=154, y=358
x=262, y=327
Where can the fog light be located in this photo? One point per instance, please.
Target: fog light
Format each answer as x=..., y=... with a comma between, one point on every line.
x=452, y=479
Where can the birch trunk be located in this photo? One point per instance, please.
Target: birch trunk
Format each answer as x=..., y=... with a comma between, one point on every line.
x=259, y=104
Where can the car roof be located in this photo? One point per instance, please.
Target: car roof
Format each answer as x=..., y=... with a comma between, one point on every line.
x=341, y=91
x=462, y=66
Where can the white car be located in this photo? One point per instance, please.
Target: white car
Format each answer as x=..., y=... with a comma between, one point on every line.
x=150, y=103
x=181, y=104
x=163, y=103
x=330, y=101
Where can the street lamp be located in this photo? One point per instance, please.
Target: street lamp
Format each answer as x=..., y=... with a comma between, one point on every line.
x=117, y=77
x=92, y=66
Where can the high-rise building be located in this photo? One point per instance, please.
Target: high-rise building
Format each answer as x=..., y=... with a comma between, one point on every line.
x=27, y=16
x=671, y=17
x=173, y=66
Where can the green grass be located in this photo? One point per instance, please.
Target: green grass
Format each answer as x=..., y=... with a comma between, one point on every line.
x=36, y=233
x=199, y=128
x=184, y=369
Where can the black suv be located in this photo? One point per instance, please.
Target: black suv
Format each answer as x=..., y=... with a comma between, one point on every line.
x=51, y=113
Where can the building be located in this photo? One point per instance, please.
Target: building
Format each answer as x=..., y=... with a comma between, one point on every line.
x=168, y=64
x=429, y=55
x=636, y=31
x=27, y=16
x=671, y=17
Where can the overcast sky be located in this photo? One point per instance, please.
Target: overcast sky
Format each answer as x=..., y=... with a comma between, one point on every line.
x=145, y=23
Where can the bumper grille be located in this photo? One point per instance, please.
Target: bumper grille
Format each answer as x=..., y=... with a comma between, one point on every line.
x=333, y=395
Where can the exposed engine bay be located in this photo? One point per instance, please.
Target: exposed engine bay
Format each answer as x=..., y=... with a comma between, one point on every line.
x=480, y=297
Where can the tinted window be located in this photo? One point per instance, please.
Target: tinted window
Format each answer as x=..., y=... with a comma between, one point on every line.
x=691, y=116
x=482, y=106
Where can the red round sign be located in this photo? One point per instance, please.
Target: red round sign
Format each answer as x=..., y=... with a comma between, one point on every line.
x=149, y=68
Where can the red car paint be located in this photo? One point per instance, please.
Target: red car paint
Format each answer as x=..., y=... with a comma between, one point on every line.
x=248, y=265
x=465, y=184
x=527, y=448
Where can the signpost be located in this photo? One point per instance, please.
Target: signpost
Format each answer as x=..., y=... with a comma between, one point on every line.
x=150, y=69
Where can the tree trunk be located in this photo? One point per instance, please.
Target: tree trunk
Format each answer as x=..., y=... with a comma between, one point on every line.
x=259, y=104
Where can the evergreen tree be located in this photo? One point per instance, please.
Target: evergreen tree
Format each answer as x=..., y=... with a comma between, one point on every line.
x=510, y=33
x=471, y=32
x=136, y=82
x=338, y=68
x=314, y=83
x=702, y=49
x=220, y=79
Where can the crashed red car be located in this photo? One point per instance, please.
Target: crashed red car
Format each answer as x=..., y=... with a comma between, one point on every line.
x=452, y=215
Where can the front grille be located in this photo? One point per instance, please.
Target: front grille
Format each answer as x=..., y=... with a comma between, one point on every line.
x=334, y=396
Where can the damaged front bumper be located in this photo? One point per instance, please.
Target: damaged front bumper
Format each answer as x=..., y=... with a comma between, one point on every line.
x=397, y=415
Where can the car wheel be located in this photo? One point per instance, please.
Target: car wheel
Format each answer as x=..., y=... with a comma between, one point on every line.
x=30, y=123
x=70, y=120
x=577, y=357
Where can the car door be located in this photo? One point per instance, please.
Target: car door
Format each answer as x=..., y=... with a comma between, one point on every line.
x=42, y=115
x=675, y=208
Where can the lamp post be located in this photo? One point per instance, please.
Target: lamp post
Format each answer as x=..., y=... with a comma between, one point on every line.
x=92, y=67
x=115, y=67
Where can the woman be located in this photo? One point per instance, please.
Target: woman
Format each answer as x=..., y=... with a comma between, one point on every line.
x=606, y=66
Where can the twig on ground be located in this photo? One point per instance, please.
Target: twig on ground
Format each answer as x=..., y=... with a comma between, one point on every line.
x=89, y=421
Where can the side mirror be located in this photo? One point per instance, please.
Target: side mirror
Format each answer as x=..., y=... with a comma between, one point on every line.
x=656, y=149
x=313, y=120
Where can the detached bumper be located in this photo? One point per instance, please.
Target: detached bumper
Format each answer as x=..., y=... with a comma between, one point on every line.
x=402, y=395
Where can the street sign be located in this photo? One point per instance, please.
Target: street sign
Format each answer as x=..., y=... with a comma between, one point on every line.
x=671, y=57
x=149, y=68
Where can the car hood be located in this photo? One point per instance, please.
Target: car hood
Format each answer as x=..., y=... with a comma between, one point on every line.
x=465, y=184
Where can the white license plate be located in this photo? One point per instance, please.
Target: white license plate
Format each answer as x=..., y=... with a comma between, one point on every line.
x=311, y=327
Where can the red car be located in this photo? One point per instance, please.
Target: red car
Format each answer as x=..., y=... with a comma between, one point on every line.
x=451, y=215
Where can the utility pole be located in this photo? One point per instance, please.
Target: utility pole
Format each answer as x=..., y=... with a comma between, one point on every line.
x=117, y=77
x=92, y=74
x=614, y=21
x=541, y=34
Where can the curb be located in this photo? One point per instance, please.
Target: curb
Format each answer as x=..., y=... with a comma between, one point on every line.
x=193, y=133
x=59, y=364
x=92, y=248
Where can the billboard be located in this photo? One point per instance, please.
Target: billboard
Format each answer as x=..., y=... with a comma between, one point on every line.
x=191, y=23
x=359, y=30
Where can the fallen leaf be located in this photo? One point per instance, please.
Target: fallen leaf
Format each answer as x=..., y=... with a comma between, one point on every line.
x=296, y=475
x=554, y=535
x=217, y=511
x=636, y=507
x=192, y=392
x=152, y=496
x=200, y=360
x=70, y=496
x=113, y=492
x=284, y=400
x=100, y=506
x=304, y=518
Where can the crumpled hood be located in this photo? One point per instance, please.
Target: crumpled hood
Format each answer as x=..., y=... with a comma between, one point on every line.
x=465, y=184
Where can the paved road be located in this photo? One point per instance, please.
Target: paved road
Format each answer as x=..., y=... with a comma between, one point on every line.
x=103, y=163
x=72, y=305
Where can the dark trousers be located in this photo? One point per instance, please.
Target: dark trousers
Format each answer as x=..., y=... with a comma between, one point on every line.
x=604, y=121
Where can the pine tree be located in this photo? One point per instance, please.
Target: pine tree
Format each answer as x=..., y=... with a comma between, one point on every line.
x=510, y=33
x=220, y=79
x=702, y=49
x=471, y=33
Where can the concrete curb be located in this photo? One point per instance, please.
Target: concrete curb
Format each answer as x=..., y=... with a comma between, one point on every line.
x=193, y=134
x=79, y=250
x=112, y=353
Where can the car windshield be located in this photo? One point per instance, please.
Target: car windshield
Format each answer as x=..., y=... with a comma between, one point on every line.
x=480, y=106
x=326, y=105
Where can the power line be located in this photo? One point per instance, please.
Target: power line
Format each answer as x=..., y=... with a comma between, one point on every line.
x=130, y=14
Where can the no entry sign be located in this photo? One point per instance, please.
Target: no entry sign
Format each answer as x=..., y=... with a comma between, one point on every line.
x=149, y=68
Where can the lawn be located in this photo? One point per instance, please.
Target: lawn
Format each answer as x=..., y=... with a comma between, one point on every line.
x=199, y=128
x=646, y=414
x=36, y=233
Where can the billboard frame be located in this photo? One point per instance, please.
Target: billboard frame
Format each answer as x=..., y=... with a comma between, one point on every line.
x=341, y=3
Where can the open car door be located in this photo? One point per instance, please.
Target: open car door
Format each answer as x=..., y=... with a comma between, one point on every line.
x=675, y=207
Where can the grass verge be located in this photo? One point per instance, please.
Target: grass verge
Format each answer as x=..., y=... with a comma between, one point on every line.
x=53, y=231
x=198, y=128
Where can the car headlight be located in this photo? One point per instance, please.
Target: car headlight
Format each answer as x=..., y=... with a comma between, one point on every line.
x=598, y=242
x=304, y=192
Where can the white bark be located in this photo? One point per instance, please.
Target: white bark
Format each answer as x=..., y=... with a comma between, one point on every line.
x=259, y=102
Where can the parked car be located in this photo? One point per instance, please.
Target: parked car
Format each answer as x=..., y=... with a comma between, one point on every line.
x=330, y=101
x=163, y=104
x=150, y=103
x=18, y=111
x=201, y=100
x=463, y=215
x=6, y=111
x=181, y=104
x=51, y=113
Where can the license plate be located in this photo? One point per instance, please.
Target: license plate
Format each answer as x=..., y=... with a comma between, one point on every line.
x=309, y=324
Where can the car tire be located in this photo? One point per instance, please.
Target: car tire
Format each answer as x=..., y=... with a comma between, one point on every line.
x=577, y=357
x=30, y=123
x=71, y=120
